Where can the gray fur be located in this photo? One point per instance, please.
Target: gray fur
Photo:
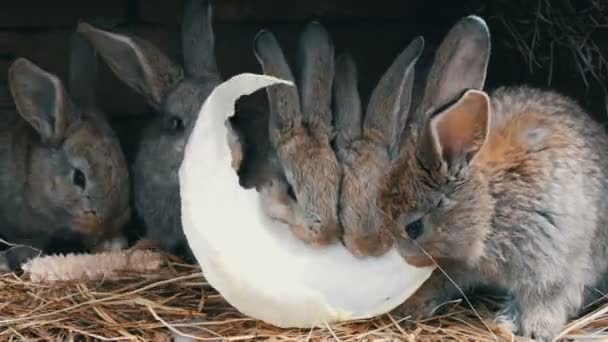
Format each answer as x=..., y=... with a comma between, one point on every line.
x=316, y=59
x=526, y=213
x=177, y=97
x=347, y=103
x=44, y=142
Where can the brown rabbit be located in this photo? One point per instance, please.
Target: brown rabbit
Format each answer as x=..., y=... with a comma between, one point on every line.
x=300, y=132
x=64, y=177
x=507, y=189
x=366, y=145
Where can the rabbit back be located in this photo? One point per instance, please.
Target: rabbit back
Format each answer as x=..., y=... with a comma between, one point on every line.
x=546, y=161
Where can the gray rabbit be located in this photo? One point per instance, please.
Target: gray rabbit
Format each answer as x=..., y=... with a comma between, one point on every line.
x=64, y=182
x=507, y=189
x=176, y=93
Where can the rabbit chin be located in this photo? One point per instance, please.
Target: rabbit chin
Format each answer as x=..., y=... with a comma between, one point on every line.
x=419, y=260
x=88, y=224
x=98, y=226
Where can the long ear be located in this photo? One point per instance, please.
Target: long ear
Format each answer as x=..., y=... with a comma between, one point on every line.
x=136, y=62
x=347, y=103
x=82, y=71
x=390, y=101
x=316, y=60
x=198, y=43
x=41, y=100
x=454, y=136
x=460, y=63
x=284, y=100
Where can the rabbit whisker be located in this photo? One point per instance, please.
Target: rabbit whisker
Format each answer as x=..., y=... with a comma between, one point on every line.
x=14, y=245
x=450, y=279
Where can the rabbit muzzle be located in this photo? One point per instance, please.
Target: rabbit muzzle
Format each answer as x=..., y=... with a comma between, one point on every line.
x=88, y=223
x=367, y=244
x=413, y=254
x=419, y=261
x=93, y=224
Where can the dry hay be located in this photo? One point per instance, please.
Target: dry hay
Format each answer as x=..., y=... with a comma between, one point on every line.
x=545, y=30
x=176, y=299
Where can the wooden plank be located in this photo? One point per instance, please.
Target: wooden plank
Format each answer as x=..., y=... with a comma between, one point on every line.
x=169, y=12
x=373, y=46
x=57, y=13
x=49, y=50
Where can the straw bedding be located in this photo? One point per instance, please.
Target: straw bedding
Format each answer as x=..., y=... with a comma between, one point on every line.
x=176, y=300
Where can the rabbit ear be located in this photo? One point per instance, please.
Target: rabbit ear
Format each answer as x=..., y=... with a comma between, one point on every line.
x=82, y=71
x=460, y=63
x=390, y=101
x=347, y=103
x=41, y=100
x=316, y=60
x=284, y=101
x=455, y=135
x=198, y=41
x=136, y=62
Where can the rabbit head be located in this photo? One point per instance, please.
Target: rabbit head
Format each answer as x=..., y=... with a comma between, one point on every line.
x=366, y=145
x=78, y=175
x=430, y=201
x=300, y=133
x=176, y=94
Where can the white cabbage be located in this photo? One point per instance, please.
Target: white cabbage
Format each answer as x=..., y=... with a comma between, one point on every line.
x=256, y=263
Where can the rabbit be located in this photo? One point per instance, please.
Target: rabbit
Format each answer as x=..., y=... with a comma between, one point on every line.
x=506, y=189
x=176, y=93
x=365, y=145
x=305, y=194
x=64, y=184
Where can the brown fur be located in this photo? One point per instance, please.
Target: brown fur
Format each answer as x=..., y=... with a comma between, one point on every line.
x=526, y=212
x=300, y=133
x=365, y=145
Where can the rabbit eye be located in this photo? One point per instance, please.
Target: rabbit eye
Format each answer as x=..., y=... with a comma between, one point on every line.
x=79, y=179
x=290, y=192
x=175, y=124
x=414, y=229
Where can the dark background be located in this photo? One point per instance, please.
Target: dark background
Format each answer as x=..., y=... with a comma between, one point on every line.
x=529, y=37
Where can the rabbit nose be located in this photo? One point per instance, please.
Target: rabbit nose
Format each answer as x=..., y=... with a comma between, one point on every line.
x=366, y=245
x=332, y=232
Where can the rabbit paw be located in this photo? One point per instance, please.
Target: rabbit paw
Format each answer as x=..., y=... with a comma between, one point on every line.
x=508, y=317
x=114, y=244
x=542, y=323
x=420, y=311
x=12, y=258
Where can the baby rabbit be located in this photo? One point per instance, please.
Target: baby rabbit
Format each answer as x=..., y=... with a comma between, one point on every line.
x=63, y=178
x=366, y=145
x=300, y=130
x=176, y=94
x=507, y=189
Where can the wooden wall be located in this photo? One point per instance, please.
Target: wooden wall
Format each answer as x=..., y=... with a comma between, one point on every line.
x=373, y=31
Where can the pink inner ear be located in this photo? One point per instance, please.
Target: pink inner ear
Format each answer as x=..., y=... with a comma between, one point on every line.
x=461, y=129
